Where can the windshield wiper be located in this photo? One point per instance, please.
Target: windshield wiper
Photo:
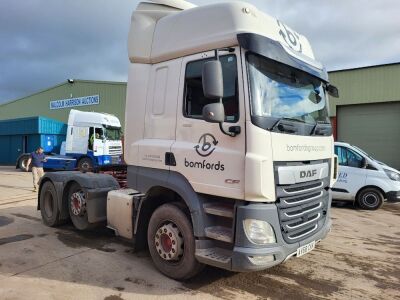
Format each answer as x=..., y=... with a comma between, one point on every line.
x=321, y=131
x=286, y=127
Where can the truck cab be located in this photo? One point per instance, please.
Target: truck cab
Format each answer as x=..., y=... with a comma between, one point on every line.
x=228, y=143
x=363, y=179
x=93, y=141
x=96, y=135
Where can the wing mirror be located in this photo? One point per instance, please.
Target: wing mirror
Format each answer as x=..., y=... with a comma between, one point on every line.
x=213, y=84
x=332, y=90
x=214, y=113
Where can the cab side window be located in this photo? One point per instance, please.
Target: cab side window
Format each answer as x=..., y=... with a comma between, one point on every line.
x=354, y=159
x=194, y=97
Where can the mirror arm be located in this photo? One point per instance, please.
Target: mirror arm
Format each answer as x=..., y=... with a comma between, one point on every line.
x=232, y=134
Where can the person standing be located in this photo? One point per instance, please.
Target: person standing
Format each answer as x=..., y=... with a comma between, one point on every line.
x=37, y=158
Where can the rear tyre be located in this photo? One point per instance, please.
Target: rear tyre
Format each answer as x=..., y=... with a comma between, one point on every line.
x=23, y=162
x=49, y=205
x=85, y=164
x=77, y=207
x=370, y=199
x=172, y=243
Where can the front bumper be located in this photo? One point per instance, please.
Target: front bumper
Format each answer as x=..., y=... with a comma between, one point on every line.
x=242, y=263
x=393, y=196
x=244, y=250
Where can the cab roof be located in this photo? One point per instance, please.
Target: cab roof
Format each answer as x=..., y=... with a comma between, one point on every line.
x=167, y=29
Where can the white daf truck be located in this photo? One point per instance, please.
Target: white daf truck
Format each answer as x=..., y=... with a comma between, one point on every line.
x=227, y=141
x=93, y=142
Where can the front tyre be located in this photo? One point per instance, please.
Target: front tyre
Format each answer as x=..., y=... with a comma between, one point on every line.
x=172, y=243
x=77, y=207
x=370, y=199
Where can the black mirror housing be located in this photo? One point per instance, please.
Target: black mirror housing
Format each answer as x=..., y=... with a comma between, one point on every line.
x=213, y=84
x=214, y=113
x=332, y=90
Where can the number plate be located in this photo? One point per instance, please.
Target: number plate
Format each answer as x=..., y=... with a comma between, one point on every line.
x=305, y=249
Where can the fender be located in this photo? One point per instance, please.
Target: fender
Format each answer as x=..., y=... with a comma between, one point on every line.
x=143, y=179
x=90, y=181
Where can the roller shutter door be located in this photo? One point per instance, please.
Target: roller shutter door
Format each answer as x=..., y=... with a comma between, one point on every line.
x=374, y=128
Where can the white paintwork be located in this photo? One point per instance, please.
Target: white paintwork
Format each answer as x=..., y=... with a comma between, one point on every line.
x=229, y=151
x=354, y=179
x=160, y=33
x=77, y=140
x=86, y=118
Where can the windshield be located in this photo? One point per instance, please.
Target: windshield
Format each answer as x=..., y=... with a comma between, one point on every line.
x=280, y=91
x=363, y=152
x=113, y=133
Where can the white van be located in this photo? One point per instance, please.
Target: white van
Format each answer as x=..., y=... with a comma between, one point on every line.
x=364, y=179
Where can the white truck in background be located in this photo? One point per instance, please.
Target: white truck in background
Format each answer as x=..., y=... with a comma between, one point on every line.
x=227, y=140
x=364, y=180
x=93, y=142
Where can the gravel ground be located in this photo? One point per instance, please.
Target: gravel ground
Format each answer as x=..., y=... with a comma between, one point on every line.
x=358, y=260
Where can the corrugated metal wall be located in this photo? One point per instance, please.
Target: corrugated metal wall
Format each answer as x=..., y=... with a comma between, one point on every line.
x=24, y=135
x=366, y=85
x=112, y=100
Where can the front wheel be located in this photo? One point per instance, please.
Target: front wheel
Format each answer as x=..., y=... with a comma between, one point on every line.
x=370, y=199
x=172, y=244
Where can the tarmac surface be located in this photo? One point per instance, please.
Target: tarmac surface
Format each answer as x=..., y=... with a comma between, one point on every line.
x=360, y=259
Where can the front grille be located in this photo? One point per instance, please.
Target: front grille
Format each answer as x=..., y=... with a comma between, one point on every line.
x=302, y=209
x=115, y=150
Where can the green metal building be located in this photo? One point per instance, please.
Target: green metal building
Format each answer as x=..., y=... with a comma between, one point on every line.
x=367, y=114
x=85, y=95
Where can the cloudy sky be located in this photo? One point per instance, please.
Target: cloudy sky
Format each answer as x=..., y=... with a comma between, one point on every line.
x=44, y=42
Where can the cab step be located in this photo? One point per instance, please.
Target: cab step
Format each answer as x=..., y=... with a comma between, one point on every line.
x=219, y=233
x=219, y=209
x=214, y=256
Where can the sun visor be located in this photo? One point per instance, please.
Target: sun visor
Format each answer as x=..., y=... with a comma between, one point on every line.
x=276, y=51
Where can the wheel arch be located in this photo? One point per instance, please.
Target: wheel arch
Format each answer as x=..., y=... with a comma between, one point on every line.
x=154, y=198
x=370, y=186
x=144, y=179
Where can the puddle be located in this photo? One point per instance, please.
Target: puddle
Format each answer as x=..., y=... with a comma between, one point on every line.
x=4, y=221
x=15, y=238
x=28, y=217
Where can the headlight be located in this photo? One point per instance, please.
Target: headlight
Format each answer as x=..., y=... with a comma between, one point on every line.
x=392, y=175
x=259, y=232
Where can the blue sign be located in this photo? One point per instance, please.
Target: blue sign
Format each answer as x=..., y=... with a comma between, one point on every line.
x=73, y=102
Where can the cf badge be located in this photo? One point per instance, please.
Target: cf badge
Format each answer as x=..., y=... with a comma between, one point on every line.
x=206, y=145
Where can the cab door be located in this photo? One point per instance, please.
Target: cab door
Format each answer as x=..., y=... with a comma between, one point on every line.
x=352, y=176
x=210, y=160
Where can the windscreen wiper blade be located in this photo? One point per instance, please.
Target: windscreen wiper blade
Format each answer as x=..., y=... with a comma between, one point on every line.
x=326, y=130
x=286, y=127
